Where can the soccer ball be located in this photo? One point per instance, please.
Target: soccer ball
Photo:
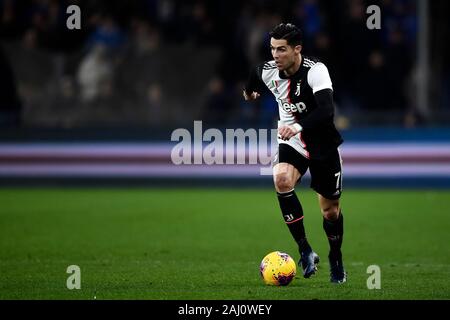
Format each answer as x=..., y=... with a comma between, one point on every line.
x=277, y=269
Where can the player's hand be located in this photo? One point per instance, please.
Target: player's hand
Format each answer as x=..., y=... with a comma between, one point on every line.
x=253, y=96
x=287, y=132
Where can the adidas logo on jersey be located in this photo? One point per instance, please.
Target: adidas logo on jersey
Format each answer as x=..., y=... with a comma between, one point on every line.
x=274, y=86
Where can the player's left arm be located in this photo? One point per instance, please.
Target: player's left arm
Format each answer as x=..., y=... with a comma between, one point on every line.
x=320, y=82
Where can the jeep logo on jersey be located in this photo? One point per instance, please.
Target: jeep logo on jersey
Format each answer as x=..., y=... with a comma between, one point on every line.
x=291, y=107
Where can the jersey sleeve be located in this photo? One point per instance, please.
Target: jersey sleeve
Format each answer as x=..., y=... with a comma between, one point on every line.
x=319, y=78
x=324, y=111
x=254, y=82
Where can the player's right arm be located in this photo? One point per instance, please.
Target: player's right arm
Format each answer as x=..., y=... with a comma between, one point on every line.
x=288, y=125
x=254, y=85
x=253, y=96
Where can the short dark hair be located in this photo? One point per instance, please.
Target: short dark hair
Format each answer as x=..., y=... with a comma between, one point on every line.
x=288, y=32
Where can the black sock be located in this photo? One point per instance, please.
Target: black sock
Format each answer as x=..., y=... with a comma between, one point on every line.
x=293, y=216
x=335, y=233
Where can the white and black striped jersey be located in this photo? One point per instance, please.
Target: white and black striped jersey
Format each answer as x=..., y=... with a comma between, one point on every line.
x=297, y=103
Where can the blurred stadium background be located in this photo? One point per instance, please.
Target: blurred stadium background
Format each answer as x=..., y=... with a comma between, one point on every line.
x=139, y=69
x=97, y=106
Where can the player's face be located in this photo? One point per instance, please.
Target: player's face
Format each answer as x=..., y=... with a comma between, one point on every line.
x=283, y=54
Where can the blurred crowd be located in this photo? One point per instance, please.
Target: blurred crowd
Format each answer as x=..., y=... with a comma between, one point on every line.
x=166, y=62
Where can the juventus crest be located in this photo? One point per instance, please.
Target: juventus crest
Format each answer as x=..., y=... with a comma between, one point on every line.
x=297, y=91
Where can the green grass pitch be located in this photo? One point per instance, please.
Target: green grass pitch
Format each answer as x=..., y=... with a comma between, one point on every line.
x=208, y=243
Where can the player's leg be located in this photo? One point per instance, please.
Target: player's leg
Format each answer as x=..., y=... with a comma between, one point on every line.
x=286, y=172
x=327, y=181
x=285, y=177
x=333, y=224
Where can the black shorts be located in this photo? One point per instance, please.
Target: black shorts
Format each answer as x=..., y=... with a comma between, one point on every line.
x=326, y=174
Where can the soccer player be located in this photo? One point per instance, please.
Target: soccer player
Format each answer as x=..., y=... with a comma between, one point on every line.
x=307, y=138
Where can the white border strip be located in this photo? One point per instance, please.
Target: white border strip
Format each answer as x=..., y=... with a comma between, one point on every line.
x=223, y=171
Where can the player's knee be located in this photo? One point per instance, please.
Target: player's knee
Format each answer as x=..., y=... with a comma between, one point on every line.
x=331, y=212
x=283, y=182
